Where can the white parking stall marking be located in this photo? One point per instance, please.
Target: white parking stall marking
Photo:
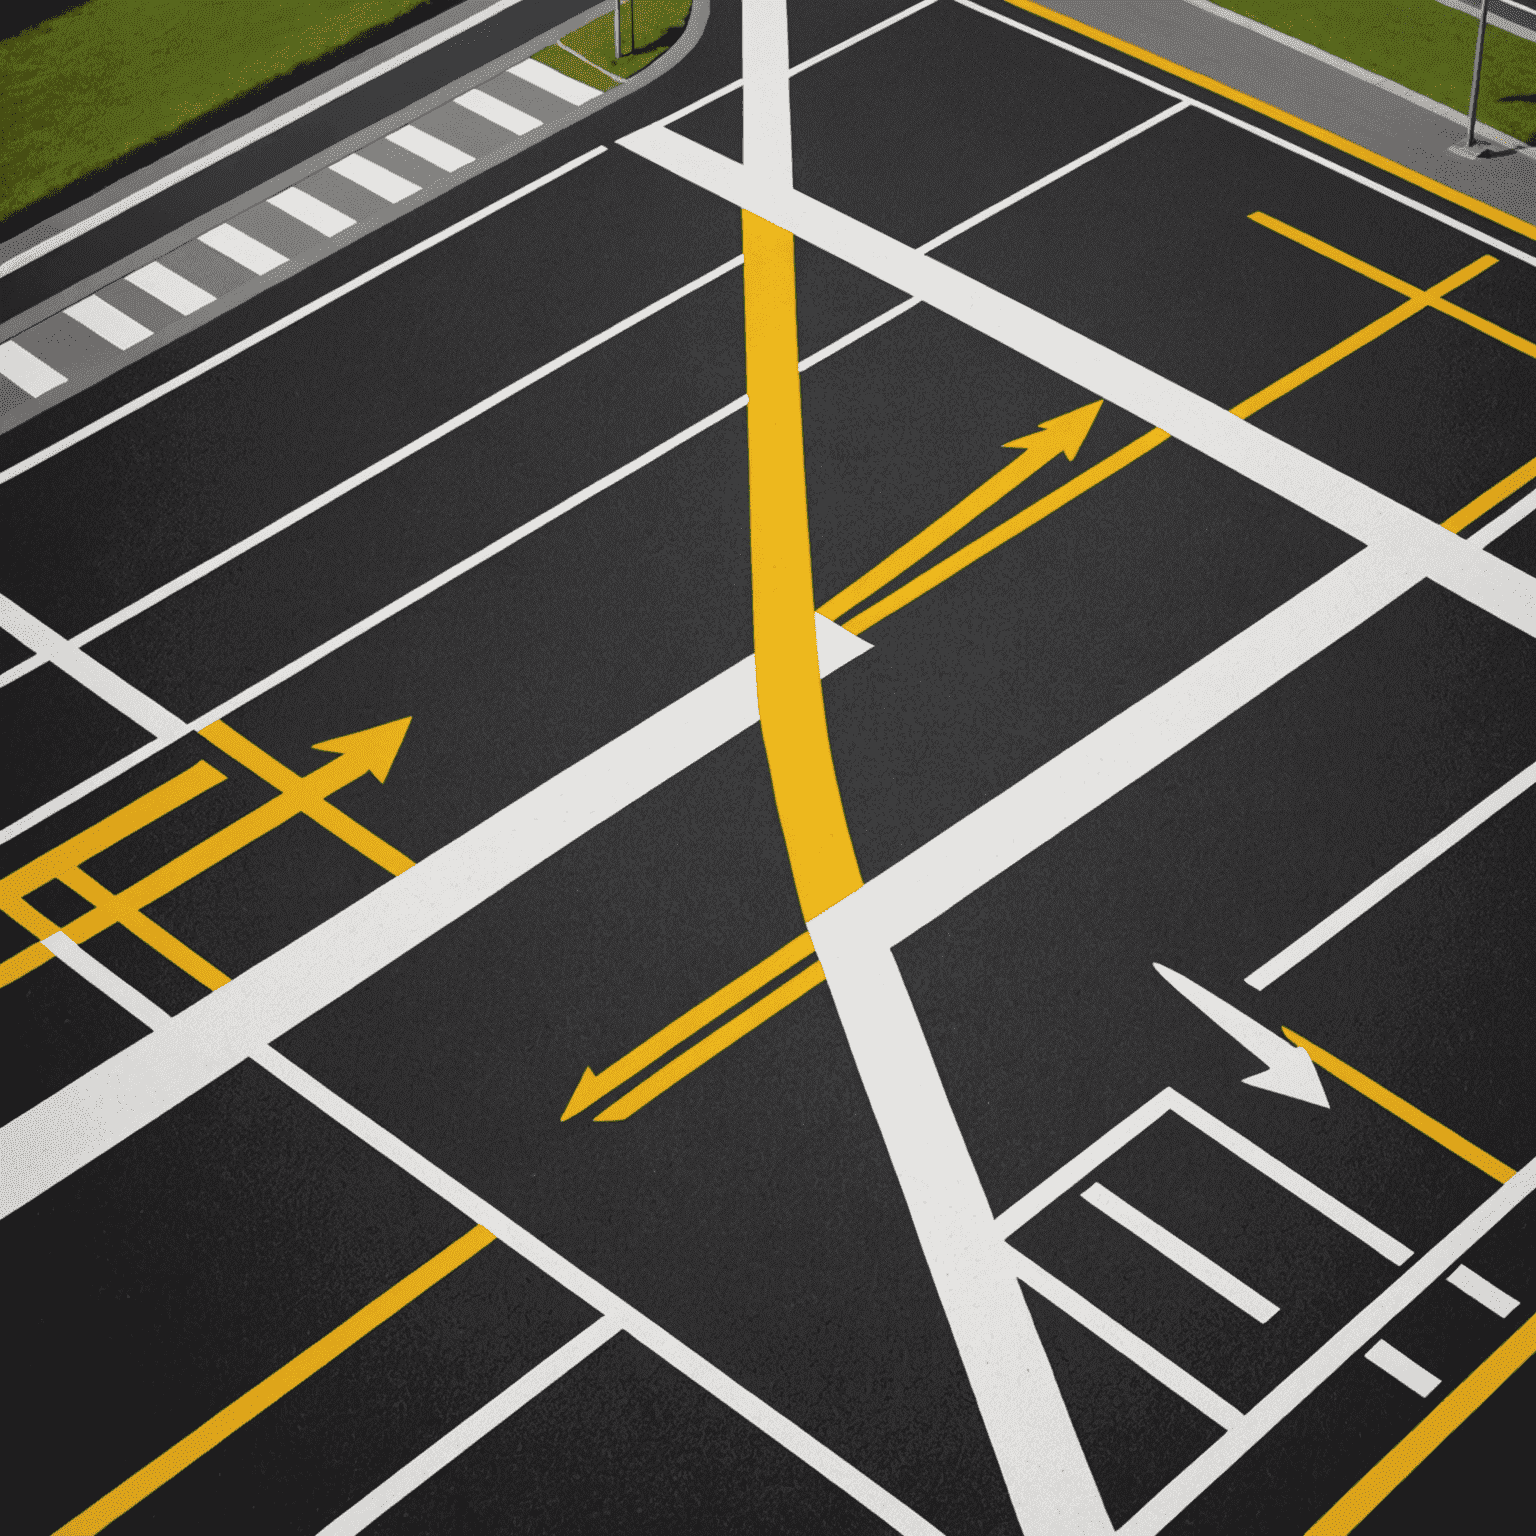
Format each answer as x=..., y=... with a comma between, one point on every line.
x=27, y=372
x=1496, y=527
x=1383, y=886
x=108, y=322
x=1468, y=1281
x=556, y=84
x=308, y=209
x=417, y=142
x=107, y=982
x=171, y=288
x=1156, y=1364
x=1188, y=1258
x=497, y=112
x=240, y=247
x=1398, y=1366
x=376, y=179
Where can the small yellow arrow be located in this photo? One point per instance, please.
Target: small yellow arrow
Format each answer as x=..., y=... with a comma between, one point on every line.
x=1062, y=435
x=594, y=1085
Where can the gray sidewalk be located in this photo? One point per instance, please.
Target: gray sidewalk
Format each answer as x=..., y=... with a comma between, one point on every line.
x=1333, y=95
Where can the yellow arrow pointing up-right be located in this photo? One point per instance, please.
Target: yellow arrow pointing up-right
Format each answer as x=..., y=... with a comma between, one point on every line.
x=1062, y=435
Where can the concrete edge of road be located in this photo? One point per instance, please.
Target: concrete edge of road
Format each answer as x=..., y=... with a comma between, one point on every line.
x=1340, y=97
x=56, y=302
x=413, y=40
x=1494, y=19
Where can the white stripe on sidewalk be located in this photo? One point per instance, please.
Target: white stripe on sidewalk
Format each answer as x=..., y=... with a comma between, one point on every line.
x=418, y=142
x=1188, y=1258
x=27, y=372
x=498, y=112
x=476, y=1427
x=308, y=209
x=554, y=83
x=240, y=247
x=1398, y=1366
x=108, y=322
x=375, y=178
x=171, y=288
x=1383, y=886
x=1483, y=1291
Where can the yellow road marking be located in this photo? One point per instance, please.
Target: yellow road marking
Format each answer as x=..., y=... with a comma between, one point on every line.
x=1451, y=1411
x=1277, y=114
x=594, y=1085
x=1060, y=435
x=1404, y=1111
x=715, y=1042
x=794, y=719
x=1490, y=498
x=224, y=1423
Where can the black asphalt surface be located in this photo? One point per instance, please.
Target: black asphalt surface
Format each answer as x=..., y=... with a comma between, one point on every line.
x=752, y=1210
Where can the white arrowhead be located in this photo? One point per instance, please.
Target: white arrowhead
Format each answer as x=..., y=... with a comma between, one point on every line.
x=1287, y=1068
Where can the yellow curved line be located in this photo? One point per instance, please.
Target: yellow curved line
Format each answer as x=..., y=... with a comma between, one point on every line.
x=789, y=697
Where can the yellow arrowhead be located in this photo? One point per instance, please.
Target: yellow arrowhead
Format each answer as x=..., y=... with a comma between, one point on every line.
x=587, y=1092
x=371, y=751
x=1061, y=434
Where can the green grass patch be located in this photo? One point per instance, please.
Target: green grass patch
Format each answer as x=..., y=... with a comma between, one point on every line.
x=1418, y=43
x=654, y=25
x=90, y=86
x=557, y=58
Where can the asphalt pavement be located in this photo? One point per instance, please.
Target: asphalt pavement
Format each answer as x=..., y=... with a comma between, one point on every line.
x=435, y=1101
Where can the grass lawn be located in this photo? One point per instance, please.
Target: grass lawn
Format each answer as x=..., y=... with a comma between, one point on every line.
x=112, y=75
x=1421, y=44
x=657, y=24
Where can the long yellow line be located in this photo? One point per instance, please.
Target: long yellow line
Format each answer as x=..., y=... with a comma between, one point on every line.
x=283, y=1380
x=1357, y=151
x=715, y=1042
x=1451, y=1411
x=789, y=697
x=1389, y=1101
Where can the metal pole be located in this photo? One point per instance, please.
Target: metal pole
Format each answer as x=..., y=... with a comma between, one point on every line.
x=1477, y=76
x=616, y=4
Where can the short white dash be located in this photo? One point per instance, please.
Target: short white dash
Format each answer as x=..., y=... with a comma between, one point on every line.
x=1398, y=1366
x=375, y=178
x=434, y=151
x=27, y=372
x=239, y=246
x=1484, y=1291
x=308, y=209
x=556, y=84
x=108, y=322
x=498, y=112
x=171, y=288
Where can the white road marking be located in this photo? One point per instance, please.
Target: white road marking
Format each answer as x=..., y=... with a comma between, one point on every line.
x=553, y=83
x=240, y=247
x=1170, y=1100
x=1054, y=176
x=1156, y=1364
x=171, y=288
x=308, y=209
x=1419, y=545
x=26, y=371
x=1177, y=1495
x=134, y=1087
x=1497, y=526
x=1383, y=886
x=416, y=141
x=107, y=982
x=1185, y=1255
x=478, y=1425
x=108, y=322
x=1468, y=1281
x=766, y=149
x=634, y=1322
x=1398, y=1366
x=375, y=178
x=1037, y=1449
x=111, y=418
x=50, y=645
x=498, y=112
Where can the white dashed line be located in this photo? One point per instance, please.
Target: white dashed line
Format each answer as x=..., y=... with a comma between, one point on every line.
x=108, y=322
x=1398, y=1366
x=498, y=112
x=308, y=209
x=376, y=179
x=240, y=247
x=171, y=288
x=27, y=372
x=1468, y=1281
x=434, y=151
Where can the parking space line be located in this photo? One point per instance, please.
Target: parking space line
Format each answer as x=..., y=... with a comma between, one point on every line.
x=1400, y=1368
x=1451, y=1411
x=1389, y=1101
x=1177, y=1251
x=1482, y=1291
x=782, y=1430
x=715, y=1042
x=282, y=1381
x=1506, y=520
x=105, y=981
x=462, y=1436
x=596, y=1085
x=1383, y=886
x=1120, y=1338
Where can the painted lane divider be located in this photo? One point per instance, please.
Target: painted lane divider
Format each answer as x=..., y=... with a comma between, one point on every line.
x=371, y=751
